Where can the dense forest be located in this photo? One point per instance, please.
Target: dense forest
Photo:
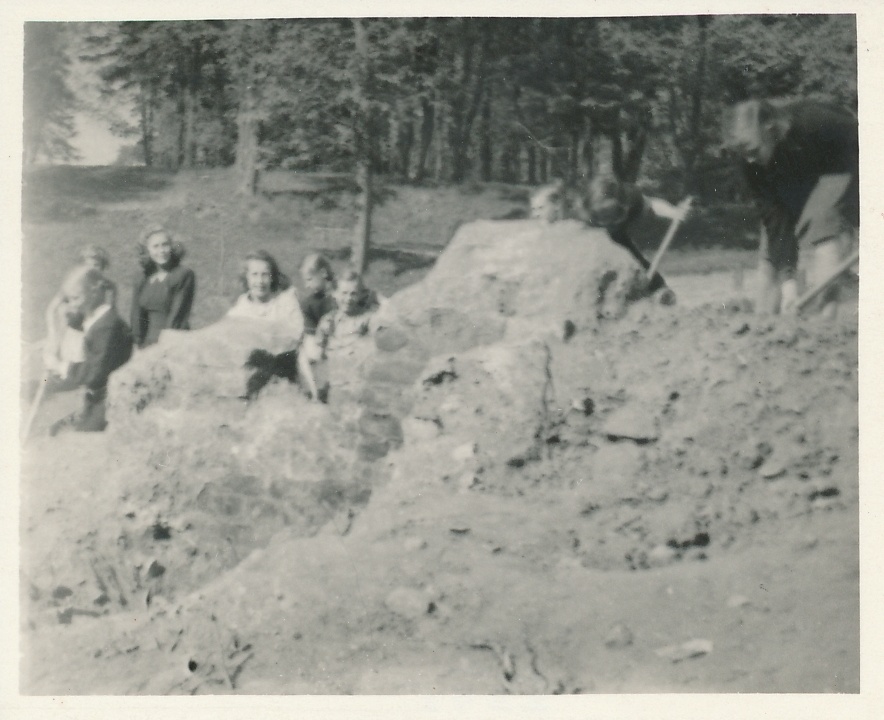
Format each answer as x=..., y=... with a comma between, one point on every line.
x=443, y=100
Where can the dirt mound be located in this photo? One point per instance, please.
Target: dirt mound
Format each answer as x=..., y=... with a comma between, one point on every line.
x=484, y=506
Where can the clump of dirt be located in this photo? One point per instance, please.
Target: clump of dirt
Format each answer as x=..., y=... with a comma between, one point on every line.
x=487, y=505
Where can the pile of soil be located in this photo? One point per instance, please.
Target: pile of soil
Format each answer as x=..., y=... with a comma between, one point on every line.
x=528, y=480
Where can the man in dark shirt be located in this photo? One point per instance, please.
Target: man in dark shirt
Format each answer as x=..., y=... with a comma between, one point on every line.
x=800, y=160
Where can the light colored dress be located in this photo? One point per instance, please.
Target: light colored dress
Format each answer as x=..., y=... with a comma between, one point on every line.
x=282, y=311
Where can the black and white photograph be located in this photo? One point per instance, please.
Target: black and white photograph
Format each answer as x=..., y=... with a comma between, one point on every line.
x=441, y=355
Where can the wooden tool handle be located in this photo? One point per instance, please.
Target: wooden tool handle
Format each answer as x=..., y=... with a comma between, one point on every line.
x=842, y=268
x=667, y=239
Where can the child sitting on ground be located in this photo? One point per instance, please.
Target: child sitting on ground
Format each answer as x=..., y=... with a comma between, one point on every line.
x=107, y=345
x=355, y=307
x=267, y=298
x=63, y=345
x=319, y=283
x=340, y=330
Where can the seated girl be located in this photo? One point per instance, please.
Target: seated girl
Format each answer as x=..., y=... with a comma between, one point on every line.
x=164, y=290
x=267, y=298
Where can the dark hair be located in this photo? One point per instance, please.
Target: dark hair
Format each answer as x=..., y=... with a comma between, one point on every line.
x=278, y=280
x=316, y=263
x=149, y=266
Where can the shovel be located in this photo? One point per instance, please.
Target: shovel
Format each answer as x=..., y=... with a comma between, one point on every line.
x=667, y=239
x=842, y=268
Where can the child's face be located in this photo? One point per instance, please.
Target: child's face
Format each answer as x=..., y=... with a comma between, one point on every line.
x=159, y=248
x=315, y=282
x=348, y=295
x=259, y=278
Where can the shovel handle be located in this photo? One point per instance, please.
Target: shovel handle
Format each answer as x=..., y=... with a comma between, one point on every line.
x=667, y=239
x=32, y=413
x=842, y=268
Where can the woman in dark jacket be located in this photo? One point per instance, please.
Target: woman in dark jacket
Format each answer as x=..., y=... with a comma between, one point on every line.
x=163, y=295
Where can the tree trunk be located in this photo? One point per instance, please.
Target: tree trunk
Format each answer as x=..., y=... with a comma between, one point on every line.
x=469, y=70
x=189, y=141
x=182, y=129
x=247, y=143
x=440, y=159
x=427, y=122
x=617, y=150
x=696, y=150
x=361, y=76
x=585, y=153
x=532, y=163
x=364, y=204
x=485, y=154
x=573, y=156
x=403, y=135
x=146, y=105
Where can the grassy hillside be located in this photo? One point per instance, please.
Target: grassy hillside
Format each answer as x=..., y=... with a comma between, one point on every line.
x=65, y=208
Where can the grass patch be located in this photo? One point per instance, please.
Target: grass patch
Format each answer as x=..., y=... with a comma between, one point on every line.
x=65, y=208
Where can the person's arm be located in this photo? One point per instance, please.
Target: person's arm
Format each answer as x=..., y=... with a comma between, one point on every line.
x=305, y=371
x=182, y=301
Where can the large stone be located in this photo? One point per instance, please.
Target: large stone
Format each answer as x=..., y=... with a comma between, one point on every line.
x=523, y=276
x=490, y=415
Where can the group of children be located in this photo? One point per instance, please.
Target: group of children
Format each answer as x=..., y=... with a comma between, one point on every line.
x=332, y=312
x=87, y=339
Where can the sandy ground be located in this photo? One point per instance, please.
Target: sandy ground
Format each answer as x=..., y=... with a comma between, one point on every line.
x=715, y=552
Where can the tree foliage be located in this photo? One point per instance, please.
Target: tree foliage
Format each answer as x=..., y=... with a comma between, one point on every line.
x=450, y=99
x=49, y=103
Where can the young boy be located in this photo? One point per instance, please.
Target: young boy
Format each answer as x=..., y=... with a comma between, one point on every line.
x=64, y=343
x=355, y=306
x=107, y=344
